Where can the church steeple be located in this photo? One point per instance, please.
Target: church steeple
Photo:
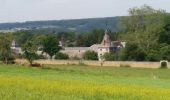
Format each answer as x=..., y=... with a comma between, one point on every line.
x=106, y=39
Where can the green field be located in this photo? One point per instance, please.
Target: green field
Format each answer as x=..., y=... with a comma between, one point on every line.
x=74, y=82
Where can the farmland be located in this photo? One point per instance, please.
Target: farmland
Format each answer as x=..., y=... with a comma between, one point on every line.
x=80, y=82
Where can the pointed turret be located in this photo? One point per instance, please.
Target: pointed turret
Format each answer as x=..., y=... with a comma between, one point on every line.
x=106, y=39
x=14, y=44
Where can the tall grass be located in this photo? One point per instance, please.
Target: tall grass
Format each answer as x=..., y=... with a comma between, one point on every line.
x=82, y=83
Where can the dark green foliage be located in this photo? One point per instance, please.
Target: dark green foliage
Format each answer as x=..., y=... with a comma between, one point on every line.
x=153, y=55
x=5, y=48
x=125, y=66
x=132, y=53
x=90, y=55
x=165, y=52
x=164, y=37
x=30, y=49
x=90, y=38
x=50, y=45
x=30, y=56
x=7, y=59
x=147, y=31
x=61, y=56
x=108, y=56
x=164, y=64
x=23, y=36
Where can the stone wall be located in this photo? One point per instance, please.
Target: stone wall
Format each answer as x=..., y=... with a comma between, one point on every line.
x=98, y=63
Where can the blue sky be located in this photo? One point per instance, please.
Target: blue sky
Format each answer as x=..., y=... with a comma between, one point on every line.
x=30, y=10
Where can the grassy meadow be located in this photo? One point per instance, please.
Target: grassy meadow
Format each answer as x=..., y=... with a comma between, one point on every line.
x=79, y=82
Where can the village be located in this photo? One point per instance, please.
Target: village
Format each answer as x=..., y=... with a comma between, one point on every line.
x=106, y=46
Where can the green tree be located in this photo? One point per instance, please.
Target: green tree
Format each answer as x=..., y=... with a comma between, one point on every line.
x=5, y=47
x=90, y=38
x=165, y=52
x=133, y=53
x=23, y=36
x=29, y=51
x=50, y=45
x=140, y=17
x=142, y=29
x=153, y=55
x=108, y=56
x=143, y=25
x=90, y=55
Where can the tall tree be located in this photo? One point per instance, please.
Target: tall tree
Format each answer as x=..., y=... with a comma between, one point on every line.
x=5, y=47
x=29, y=51
x=143, y=26
x=50, y=45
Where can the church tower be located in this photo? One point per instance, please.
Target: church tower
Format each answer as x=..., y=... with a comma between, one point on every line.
x=106, y=40
x=105, y=46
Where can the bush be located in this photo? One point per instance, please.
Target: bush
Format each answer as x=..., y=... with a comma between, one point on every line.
x=125, y=66
x=108, y=56
x=165, y=52
x=61, y=56
x=153, y=55
x=132, y=52
x=10, y=59
x=164, y=64
x=90, y=55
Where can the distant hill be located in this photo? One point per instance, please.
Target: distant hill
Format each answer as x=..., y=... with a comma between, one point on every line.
x=77, y=25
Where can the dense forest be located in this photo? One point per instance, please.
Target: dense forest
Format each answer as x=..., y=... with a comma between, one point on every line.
x=146, y=32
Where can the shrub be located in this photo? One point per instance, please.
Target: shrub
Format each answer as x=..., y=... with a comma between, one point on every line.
x=29, y=51
x=132, y=52
x=108, y=56
x=165, y=52
x=90, y=55
x=164, y=64
x=153, y=55
x=30, y=56
x=61, y=56
x=125, y=66
x=8, y=60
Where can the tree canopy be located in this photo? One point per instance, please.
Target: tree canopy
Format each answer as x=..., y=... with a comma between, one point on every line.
x=50, y=45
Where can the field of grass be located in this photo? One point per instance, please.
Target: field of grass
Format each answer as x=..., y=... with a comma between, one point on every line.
x=57, y=82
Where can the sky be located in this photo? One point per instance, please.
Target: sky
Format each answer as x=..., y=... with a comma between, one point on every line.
x=31, y=10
